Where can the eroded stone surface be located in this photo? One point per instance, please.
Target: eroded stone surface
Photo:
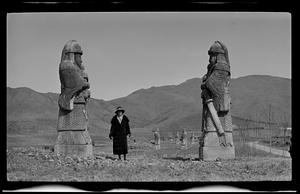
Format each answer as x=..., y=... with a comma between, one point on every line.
x=73, y=137
x=216, y=141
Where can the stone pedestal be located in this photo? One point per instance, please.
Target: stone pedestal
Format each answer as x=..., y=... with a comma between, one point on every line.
x=71, y=143
x=74, y=150
x=210, y=148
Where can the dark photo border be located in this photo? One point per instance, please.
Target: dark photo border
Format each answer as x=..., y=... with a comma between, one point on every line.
x=151, y=6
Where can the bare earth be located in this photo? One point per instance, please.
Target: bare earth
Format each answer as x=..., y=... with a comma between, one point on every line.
x=144, y=164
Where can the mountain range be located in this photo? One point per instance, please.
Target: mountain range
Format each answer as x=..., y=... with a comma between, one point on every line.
x=170, y=107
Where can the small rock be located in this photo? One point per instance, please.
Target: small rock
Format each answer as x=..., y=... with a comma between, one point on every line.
x=68, y=158
x=51, y=160
x=74, y=179
x=90, y=157
x=99, y=157
x=218, y=163
x=30, y=154
x=76, y=160
x=75, y=168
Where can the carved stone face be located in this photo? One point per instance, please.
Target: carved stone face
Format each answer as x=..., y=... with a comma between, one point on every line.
x=212, y=59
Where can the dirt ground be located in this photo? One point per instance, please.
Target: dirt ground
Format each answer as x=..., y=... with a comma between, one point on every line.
x=144, y=164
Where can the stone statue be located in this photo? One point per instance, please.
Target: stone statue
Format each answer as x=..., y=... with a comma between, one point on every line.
x=157, y=139
x=177, y=139
x=193, y=138
x=73, y=137
x=184, y=139
x=216, y=139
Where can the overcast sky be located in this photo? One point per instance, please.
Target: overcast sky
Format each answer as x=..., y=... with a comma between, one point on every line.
x=126, y=51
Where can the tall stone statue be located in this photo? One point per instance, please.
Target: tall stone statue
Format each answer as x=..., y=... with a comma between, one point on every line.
x=157, y=139
x=73, y=137
x=216, y=140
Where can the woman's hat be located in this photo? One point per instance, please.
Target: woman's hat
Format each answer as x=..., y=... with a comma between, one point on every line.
x=119, y=109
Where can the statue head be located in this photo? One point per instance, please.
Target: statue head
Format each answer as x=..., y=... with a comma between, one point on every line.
x=72, y=52
x=218, y=53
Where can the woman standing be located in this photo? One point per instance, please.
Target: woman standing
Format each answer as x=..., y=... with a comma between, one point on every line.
x=118, y=132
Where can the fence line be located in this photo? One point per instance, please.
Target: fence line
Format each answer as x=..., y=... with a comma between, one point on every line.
x=246, y=132
x=267, y=140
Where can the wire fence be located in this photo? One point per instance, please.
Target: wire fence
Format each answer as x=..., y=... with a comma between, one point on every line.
x=251, y=138
x=255, y=138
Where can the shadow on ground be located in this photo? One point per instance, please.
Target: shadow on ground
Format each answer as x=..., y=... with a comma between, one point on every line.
x=111, y=158
x=179, y=158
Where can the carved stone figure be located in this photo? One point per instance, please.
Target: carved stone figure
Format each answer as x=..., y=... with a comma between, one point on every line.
x=157, y=139
x=193, y=138
x=184, y=139
x=72, y=127
x=216, y=139
x=177, y=139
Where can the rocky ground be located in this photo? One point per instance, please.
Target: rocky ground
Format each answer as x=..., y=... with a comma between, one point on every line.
x=144, y=164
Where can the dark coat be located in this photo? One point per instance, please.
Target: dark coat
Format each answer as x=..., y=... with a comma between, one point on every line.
x=119, y=134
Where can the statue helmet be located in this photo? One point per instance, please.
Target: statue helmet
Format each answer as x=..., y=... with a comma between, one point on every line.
x=71, y=47
x=216, y=48
x=219, y=48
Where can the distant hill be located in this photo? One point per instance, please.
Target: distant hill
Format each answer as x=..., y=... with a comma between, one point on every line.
x=31, y=112
x=168, y=107
x=176, y=106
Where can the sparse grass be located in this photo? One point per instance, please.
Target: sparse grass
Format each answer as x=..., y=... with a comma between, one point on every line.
x=170, y=163
x=278, y=144
x=145, y=164
x=243, y=150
